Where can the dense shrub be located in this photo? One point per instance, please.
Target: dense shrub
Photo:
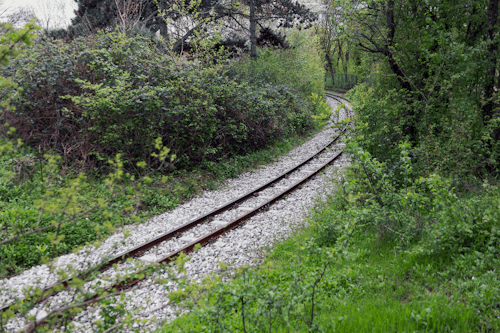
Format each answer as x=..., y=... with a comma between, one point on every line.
x=98, y=96
x=299, y=66
x=444, y=220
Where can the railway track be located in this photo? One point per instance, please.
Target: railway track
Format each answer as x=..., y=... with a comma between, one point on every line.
x=215, y=222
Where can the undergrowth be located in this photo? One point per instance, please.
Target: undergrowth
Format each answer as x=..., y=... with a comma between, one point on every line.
x=21, y=188
x=376, y=257
x=104, y=111
x=107, y=94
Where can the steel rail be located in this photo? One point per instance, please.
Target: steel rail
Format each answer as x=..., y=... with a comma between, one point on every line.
x=204, y=240
x=337, y=97
x=140, y=249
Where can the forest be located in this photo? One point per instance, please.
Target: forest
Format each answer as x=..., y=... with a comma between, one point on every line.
x=138, y=106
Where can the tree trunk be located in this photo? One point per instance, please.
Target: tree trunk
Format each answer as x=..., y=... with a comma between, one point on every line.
x=391, y=31
x=492, y=57
x=345, y=65
x=164, y=31
x=253, y=37
x=330, y=65
x=178, y=46
x=409, y=128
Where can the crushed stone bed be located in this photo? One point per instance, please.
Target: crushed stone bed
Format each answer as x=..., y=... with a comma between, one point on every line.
x=242, y=246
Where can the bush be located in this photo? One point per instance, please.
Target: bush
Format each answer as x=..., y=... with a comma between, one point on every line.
x=95, y=97
x=299, y=67
x=444, y=126
x=429, y=211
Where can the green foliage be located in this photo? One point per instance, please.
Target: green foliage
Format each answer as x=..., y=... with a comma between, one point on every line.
x=341, y=82
x=413, y=226
x=23, y=172
x=425, y=152
x=394, y=203
x=10, y=41
x=464, y=225
x=111, y=311
x=452, y=145
x=22, y=190
x=110, y=94
x=298, y=67
x=323, y=112
x=11, y=37
x=431, y=85
x=389, y=252
x=367, y=275
x=46, y=214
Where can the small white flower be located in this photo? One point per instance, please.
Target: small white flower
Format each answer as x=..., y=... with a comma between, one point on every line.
x=472, y=278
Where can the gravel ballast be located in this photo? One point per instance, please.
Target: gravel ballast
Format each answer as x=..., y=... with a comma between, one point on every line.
x=244, y=245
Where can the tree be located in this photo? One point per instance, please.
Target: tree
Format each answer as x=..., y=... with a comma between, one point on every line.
x=333, y=38
x=19, y=16
x=93, y=15
x=180, y=21
x=153, y=15
x=4, y=9
x=10, y=40
x=129, y=13
x=492, y=42
x=327, y=33
x=438, y=63
x=49, y=14
x=286, y=13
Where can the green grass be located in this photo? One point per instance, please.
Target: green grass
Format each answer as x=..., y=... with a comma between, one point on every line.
x=388, y=315
x=19, y=190
x=373, y=285
x=370, y=290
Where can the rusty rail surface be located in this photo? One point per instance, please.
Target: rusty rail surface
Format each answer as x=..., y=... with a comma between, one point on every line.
x=204, y=240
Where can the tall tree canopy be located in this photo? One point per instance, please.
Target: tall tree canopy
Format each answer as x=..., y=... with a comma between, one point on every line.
x=287, y=12
x=155, y=15
x=436, y=64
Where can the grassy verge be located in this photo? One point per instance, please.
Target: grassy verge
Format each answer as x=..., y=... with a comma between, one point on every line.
x=358, y=280
x=21, y=189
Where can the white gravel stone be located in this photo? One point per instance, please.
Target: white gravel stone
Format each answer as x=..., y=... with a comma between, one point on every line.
x=188, y=239
x=218, y=223
x=245, y=209
x=38, y=314
x=149, y=258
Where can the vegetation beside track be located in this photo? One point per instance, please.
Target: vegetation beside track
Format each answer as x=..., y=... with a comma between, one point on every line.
x=214, y=120
x=156, y=197
x=410, y=239
x=344, y=273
